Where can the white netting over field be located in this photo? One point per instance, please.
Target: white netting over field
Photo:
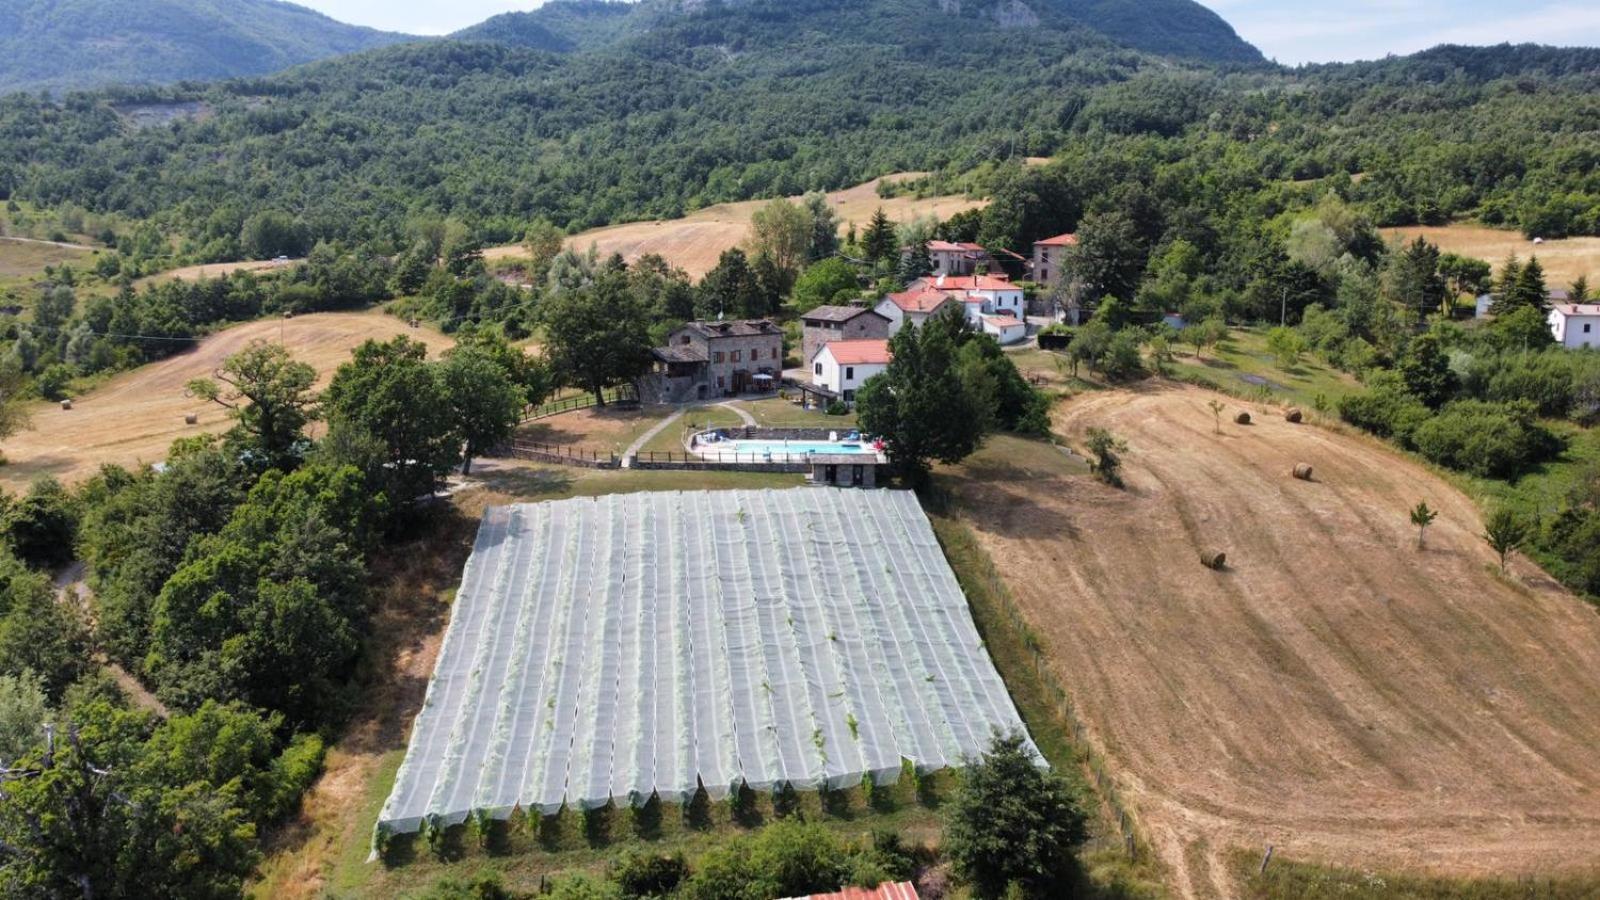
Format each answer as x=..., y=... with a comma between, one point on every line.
x=611, y=648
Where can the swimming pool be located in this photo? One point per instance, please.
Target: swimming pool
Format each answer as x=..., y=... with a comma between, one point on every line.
x=780, y=451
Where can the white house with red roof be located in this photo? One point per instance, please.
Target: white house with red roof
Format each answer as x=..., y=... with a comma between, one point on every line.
x=841, y=367
x=1575, y=325
x=1049, y=258
x=993, y=303
x=913, y=306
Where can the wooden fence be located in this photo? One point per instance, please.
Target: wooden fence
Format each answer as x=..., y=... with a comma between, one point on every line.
x=560, y=455
x=623, y=396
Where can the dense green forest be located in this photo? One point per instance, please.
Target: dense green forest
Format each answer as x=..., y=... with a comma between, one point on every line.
x=67, y=44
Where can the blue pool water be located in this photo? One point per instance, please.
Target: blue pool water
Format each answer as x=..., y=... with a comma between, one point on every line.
x=781, y=449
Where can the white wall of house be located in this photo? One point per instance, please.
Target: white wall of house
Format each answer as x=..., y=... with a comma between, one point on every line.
x=1575, y=331
x=1000, y=303
x=891, y=311
x=827, y=373
x=1003, y=332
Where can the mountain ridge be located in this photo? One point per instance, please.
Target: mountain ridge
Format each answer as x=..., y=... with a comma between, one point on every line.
x=59, y=45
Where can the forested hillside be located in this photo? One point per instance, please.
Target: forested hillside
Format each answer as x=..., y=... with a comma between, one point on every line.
x=768, y=98
x=67, y=44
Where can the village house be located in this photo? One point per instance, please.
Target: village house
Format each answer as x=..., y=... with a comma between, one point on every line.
x=913, y=306
x=842, y=367
x=1049, y=258
x=958, y=258
x=839, y=323
x=993, y=303
x=703, y=360
x=1575, y=325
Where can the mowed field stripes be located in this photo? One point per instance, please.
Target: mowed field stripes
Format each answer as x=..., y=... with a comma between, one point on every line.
x=614, y=648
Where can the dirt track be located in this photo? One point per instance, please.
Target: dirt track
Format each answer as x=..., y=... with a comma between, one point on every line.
x=694, y=242
x=136, y=416
x=1336, y=692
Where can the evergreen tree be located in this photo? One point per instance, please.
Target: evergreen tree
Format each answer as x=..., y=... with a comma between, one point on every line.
x=878, y=244
x=915, y=264
x=824, y=227
x=1414, y=278
x=1530, y=289
x=1425, y=368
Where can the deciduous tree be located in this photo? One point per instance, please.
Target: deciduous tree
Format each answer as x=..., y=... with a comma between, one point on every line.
x=270, y=395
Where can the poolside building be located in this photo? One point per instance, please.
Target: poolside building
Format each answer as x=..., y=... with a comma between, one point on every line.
x=842, y=367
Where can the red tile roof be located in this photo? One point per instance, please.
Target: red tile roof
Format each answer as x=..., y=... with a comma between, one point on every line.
x=903, y=890
x=1577, y=309
x=1003, y=321
x=859, y=353
x=1060, y=240
x=949, y=247
x=919, y=300
x=966, y=283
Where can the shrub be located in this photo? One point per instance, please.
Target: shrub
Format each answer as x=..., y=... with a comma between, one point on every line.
x=42, y=526
x=1386, y=408
x=641, y=875
x=1494, y=440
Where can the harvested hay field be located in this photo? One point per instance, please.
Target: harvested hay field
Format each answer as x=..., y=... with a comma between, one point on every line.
x=220, y=270
x=1563, y=260
x=1335, y=691
x=137, y=415
x=22, y=258
x=694, y=242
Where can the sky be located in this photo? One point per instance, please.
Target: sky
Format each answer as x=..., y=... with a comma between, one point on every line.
x=1290, y=31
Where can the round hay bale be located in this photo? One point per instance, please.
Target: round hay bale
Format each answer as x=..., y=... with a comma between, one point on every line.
x=66, y=404
x=1214, y=559
x=191, y=418
x=1294, y=415
x=1243, y=418
x=1302, y=471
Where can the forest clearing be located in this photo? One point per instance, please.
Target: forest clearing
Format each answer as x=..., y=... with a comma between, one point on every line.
x=135, y=416
x=1565, y=260
x=694, y=242
x=1334, y=691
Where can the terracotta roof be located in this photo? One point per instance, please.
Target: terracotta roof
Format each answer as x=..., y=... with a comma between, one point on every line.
x=858, y=353
x=919, y=300
x=1060, y=240
x=967, y=283
x=903, y=890
x=735, y=328
x=950, y=247
x=1003, y=321
x=1577, y=309
x=836, y=313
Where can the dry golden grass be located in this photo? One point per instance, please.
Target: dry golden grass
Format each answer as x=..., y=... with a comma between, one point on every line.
x=694, y=242
x=1564, y=260
x=137, y=415
x=218, y=270
x=26, y=258
x=1336, y=691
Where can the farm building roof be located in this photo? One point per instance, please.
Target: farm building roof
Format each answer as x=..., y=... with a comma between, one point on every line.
x=858, y=353
x=837, y=313
x=617, y=647
x=1060, y=240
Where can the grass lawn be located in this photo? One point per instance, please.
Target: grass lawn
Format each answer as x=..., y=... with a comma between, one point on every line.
x=776, y=412
x=1242, y=366
x=611, y=429
x=696, y=418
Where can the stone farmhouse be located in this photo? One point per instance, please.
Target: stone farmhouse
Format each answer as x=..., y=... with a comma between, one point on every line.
x=704, y=360
x=839, y=323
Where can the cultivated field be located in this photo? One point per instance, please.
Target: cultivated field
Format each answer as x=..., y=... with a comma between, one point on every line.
x=23, y=258
x=1563, y=260
x=1336, y=692
x=695, y=241
x=136, y=416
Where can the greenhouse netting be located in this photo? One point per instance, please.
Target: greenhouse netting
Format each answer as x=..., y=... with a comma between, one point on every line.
x=610, y=649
